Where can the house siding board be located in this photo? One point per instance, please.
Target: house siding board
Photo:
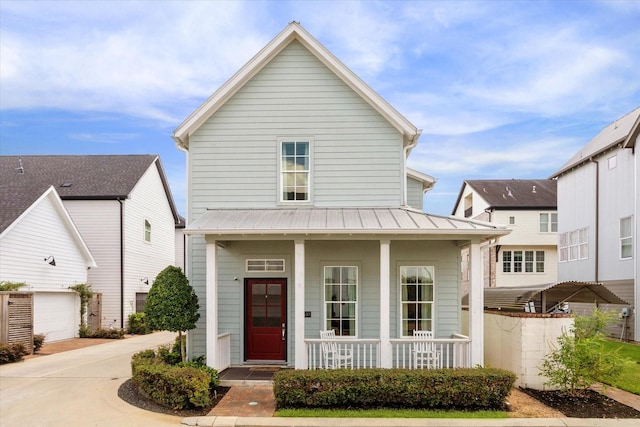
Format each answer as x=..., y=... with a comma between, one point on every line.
x=414, y=194
x=104, y=242
x=310, y=102
x=146, y=259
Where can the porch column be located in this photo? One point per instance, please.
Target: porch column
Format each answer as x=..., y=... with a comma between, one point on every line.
x=299, y=348
x=386, y=353
x=211, y=301
x=476, y=305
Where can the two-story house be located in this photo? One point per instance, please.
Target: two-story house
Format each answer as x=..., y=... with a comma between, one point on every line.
x=526, y=256
x=123, y=209
x=303, y=217
x=598, y=223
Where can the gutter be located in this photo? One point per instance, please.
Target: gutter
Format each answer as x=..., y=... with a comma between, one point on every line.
x=407, y=150
x=597, y=226
x=121, y=262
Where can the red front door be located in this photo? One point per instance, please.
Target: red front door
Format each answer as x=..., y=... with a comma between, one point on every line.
x=266, y=319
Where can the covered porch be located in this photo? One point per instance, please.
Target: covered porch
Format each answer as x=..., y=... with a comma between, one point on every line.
x=390, y=238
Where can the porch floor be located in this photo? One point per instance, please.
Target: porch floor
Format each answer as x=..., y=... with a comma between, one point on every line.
x=247, y=375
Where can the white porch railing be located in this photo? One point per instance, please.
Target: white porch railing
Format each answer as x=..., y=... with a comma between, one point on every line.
x=223, y=358
x=454, y=352
x=364, y=353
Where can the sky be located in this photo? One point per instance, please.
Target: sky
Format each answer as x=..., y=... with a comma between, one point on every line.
x=500, y=89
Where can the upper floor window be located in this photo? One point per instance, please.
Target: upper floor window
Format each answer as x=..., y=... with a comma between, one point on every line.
x=294, y=170
x=573, y=245
x=626, y=237
x=548, y=222
x=612, y=162
x=417, y=299
x=341, y=299
x=512, y=220
x=147, y=231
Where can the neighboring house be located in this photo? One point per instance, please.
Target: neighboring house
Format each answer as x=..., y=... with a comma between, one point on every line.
x=40, y=246
x=528, y=255
x=181, y=243
x=302, y=216
x=122, y=207
x=598, y=204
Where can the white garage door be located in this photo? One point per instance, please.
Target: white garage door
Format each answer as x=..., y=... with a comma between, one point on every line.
x=56, y=315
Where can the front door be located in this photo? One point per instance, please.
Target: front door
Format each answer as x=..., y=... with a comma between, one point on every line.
x=266, y=319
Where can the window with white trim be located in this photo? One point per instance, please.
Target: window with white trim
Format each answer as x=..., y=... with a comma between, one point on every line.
x=573, y=245
x=147, y=231
x=265, y=265
x=626, y=237
x=341, y=299
x=549, y=222
x=523, y=261
x=612, y=162
x=417, y=298
x=294, y=170
x=512, y=220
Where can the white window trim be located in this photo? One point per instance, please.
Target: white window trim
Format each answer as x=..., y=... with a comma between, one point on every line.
x=144, y=230
x=280, y=199
x=549, y=222
x=433, y=310
x=266, y=262
x=523, y=261
x=629, y=237
x=612, y=162
x=357, y=304
x=579, y=245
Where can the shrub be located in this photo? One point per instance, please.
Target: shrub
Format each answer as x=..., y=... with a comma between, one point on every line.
x=10, y=353
x=11, y=286
x=115, y=333
x=170, y=354
x=185, y=385
x=38, y=341
x=137, y=324
x=480, y=388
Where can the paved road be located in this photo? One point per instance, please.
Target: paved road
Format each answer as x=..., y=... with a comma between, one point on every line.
x=77, y=387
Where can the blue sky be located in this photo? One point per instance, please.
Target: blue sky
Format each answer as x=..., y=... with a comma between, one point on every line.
x=500, y=89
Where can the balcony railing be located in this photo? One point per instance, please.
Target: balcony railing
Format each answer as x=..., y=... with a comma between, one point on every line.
x=454, y=352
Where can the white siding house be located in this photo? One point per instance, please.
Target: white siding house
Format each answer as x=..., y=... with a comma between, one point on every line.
x=40, y=246
x=528, y=255
x=598, y=205
x=123, y=208
x=301, y=217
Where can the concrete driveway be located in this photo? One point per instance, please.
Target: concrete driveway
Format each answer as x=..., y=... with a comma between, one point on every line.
x=77, y=387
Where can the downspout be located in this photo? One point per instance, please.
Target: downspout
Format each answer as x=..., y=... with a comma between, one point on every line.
x=597, y=249
x=412, y=143
x=121, y=262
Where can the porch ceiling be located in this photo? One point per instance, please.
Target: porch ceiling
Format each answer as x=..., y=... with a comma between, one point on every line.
x=339, y=222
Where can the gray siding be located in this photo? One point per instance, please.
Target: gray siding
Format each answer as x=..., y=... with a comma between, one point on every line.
x=356, y=154
x=414, y=193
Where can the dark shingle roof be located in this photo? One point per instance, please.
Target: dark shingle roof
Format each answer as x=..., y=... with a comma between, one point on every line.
x=25, y=178
x=517, y=193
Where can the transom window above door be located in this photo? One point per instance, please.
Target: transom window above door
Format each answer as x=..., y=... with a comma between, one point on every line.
x=294, y=170
x=417, y=298
x=341, y=299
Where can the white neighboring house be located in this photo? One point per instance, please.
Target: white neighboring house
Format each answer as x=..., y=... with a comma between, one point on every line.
x=40, y=245
x=123, y=208
x=598, y=206
x=526, y=256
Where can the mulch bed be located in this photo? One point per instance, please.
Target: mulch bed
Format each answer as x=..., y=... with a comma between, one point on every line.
x=589, y=404
x=129, y=393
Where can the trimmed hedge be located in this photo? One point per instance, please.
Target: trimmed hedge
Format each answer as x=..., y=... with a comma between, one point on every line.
x=137, y=324
x=10, y=353
x=461, y=389
x=179, y=386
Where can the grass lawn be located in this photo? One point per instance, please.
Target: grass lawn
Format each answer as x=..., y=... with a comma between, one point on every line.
x=386, y=413
x=629, y=379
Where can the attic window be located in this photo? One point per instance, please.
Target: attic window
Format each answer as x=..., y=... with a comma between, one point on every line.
x=65, y=184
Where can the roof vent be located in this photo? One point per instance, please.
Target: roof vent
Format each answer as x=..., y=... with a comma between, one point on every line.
x=20, y=168
x=534, y=189
x=65, y=184
x=509, y=193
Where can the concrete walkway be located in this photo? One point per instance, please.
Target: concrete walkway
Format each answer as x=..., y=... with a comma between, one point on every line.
x=77, y=387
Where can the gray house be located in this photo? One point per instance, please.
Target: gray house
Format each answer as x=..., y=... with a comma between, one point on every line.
x=598, y=221
x=303, y=217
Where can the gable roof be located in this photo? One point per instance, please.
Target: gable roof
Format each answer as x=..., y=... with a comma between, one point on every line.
x=291, y=32
x=618, y=132
x=25, y=178
x=518, y=194
x=51, y=194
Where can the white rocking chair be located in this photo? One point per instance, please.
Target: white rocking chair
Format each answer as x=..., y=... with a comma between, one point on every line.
x=425, y=354
x=334, y=357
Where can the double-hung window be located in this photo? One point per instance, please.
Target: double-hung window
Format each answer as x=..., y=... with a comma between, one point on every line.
x=294, y=170
x=626, y=237
x=417, y=299
x=341, y=299
x=548, y=222
x=147, y=231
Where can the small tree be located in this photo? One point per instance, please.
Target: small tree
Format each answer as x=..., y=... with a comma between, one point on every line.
x=580, y=360
x=172, y=304
x=85, y=293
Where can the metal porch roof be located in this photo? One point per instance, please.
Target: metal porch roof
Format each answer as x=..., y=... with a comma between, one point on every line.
x=517, y=297
x=346, y=221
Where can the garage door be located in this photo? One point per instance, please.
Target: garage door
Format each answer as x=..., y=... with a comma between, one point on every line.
x=56, y=315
